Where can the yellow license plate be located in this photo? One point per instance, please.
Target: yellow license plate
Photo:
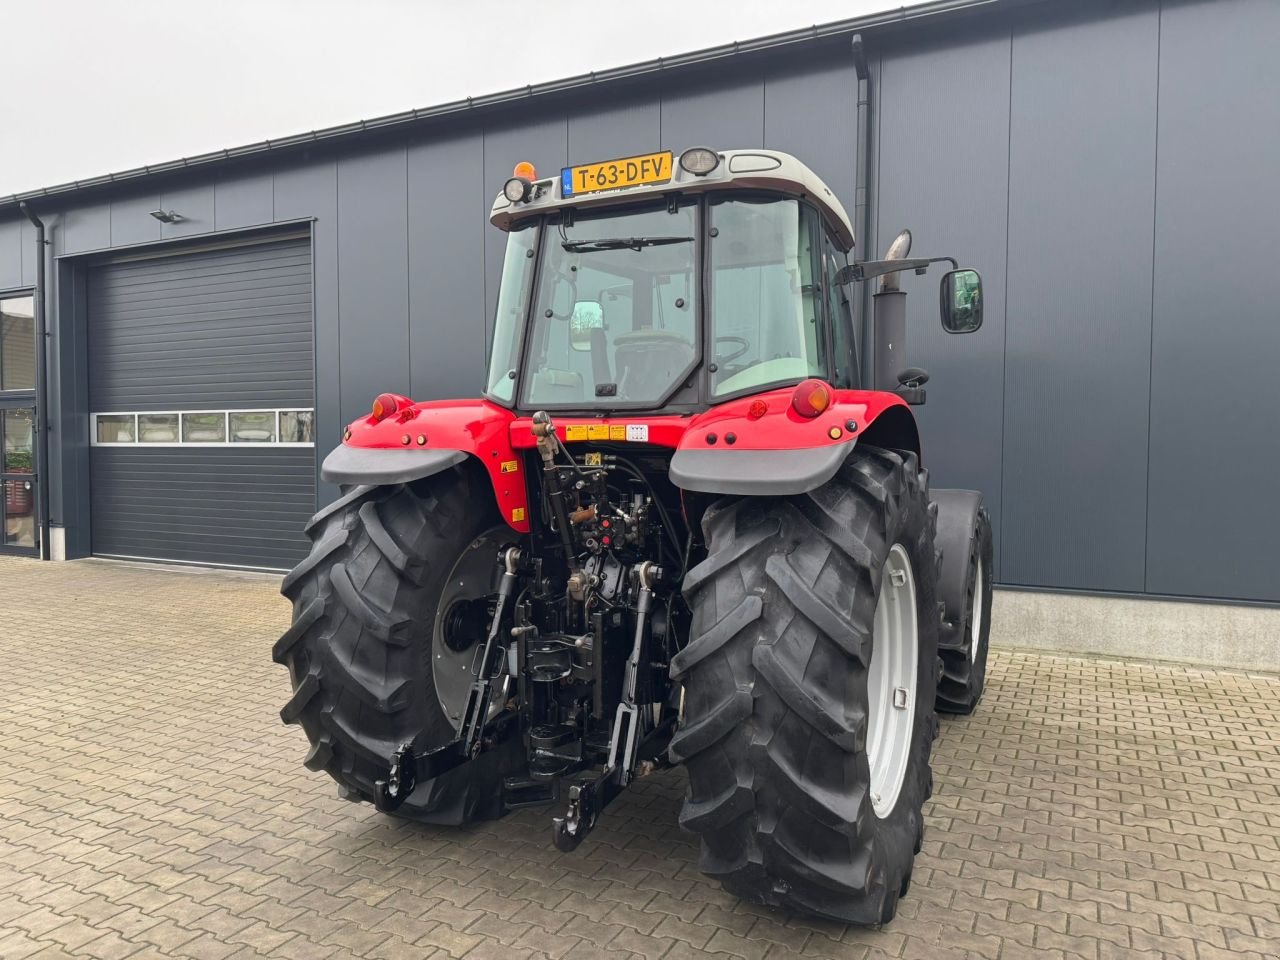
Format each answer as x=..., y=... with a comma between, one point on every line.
x=616, y=174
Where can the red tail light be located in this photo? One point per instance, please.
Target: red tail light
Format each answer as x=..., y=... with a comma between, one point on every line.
x=757, y=409
x=811, y=398
x=384, y=405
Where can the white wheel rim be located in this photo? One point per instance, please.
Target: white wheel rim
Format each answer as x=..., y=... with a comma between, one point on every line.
x=891, y=681
x=975, y=615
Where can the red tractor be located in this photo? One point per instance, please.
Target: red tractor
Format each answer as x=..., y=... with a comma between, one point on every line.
x=675, y=530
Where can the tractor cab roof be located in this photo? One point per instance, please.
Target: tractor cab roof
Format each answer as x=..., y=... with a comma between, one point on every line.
x=696, y=171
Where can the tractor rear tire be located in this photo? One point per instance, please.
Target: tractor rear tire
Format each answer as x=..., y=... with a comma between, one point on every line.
x=359, y=651
x=962, y=645
x=777, y=691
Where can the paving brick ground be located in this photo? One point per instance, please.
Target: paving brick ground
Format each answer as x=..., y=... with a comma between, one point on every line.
x=151, y=804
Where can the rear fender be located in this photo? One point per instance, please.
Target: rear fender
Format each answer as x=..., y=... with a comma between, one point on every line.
x=423, y=439
x=780, y=453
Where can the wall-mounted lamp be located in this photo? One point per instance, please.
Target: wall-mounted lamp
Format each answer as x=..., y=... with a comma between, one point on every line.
x=169, y=217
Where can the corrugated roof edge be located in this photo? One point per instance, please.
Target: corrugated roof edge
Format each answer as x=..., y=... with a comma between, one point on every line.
x=903, y=14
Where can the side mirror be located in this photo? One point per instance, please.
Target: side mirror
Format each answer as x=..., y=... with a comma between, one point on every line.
x=961, y=293
x=587, y=316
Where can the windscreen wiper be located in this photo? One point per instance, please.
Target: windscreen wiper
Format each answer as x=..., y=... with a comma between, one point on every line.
x=621, y=243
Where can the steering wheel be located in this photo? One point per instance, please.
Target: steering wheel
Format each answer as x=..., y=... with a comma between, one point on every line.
x=745, y=345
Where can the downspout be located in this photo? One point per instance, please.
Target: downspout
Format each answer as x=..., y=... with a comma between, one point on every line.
x=862, y=197
x=42, y=417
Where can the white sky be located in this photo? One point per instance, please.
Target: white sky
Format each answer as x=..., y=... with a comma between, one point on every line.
x=107, y=85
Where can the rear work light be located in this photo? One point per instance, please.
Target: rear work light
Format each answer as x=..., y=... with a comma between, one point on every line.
x=518, y=188
x=699, y=161
x=384, y=405
x=811, y=397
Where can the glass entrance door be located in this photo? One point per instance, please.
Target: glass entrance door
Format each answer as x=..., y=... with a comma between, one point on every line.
x=19, y=530
x=19, y=510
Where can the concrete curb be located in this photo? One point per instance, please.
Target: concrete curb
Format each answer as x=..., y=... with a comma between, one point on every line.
x=1217, y=635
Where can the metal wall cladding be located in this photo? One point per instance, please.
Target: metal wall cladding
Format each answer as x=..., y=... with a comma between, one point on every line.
x=1082, y=148
x=446, y=281
x=1212, y=522
x=223, y=505
x=1104, y=167
x=957, y=207
x=212, y=330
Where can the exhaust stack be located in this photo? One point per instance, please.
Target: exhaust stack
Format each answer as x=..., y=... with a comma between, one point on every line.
x=889, y=314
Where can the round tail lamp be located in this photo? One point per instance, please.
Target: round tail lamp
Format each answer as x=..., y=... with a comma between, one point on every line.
x=811, y=398
x=384, y=405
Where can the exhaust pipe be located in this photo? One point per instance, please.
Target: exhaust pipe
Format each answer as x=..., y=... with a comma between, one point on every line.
x=889, y=314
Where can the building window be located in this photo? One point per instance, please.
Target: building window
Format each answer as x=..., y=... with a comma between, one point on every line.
x=157, y=428
x=297, y=426
x=17, y=343
x=206, y=428
x=115, y=428
x=253, y=426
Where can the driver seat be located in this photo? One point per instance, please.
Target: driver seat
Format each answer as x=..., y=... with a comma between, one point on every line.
x=648, y=362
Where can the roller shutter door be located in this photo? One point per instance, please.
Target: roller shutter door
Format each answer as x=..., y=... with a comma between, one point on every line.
x=201, y=387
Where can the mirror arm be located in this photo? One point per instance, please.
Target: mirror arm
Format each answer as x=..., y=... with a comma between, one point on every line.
x=869, y=269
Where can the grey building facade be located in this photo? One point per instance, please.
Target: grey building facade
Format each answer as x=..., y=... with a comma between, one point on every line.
x=1108, y=166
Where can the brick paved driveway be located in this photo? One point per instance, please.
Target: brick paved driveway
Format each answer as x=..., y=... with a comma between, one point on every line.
x=151, y=804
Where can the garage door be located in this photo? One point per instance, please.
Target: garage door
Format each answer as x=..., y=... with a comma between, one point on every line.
x=202, y=392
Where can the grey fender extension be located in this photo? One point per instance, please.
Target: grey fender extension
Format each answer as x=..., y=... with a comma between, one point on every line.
x=757, y=473
x=374, y=466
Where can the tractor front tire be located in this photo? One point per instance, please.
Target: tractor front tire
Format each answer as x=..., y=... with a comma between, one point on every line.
x=962, y=644
x=360, y=649
x=780, y=690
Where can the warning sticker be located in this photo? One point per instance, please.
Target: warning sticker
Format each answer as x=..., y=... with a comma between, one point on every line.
x=598, y=431
x=575, y=431
x=617, y=431
x=593, y=460
x=637, y=432
x=517, y=514
x=510, y=466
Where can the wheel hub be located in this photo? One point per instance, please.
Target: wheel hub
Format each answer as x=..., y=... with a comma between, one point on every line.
x=465, y=623
x=462, y=620
x=975, y=617
x=891, y=681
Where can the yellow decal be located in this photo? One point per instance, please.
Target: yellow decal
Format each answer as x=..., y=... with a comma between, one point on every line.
x=618, y=431
x=517, y=514
x=510, y=466
x=598, y=431
x=575, y=431
x=593, y=460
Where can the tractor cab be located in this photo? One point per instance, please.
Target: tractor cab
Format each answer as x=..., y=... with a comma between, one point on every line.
x=669, y=283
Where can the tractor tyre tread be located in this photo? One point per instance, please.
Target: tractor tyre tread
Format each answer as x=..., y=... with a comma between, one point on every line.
x=963, y=677
x=775, y=697
x=357, y=657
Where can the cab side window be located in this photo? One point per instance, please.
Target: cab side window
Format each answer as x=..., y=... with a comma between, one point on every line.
x=840, y=317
